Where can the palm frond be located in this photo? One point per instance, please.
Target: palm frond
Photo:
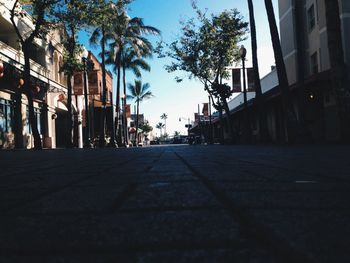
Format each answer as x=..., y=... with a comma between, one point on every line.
x=95, y=36
x=146, y=96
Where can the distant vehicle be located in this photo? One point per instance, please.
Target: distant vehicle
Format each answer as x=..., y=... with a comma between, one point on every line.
x=179, y=139
x=154, y=142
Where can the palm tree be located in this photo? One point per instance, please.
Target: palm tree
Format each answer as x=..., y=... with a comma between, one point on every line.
x=164, y=117
x=288, y=114
x=131, y=61
x=138, y=93
x=338, y=67
x=128, y=32
x=263, y=132
x=99, y=35
x=160, y=126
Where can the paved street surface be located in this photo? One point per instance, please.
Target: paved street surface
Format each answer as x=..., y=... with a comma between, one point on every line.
x=176, y=204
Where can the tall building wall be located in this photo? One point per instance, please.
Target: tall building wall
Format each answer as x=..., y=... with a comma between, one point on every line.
x=345, y=20
x=287, y=35
x=313, y=32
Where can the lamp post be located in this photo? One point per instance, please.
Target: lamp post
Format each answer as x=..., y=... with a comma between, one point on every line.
x=87, y=141
x=242, y=54
x=246, y=134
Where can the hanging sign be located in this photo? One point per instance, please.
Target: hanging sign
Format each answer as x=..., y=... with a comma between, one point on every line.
x=205, y=110
x=250, y=77
x=236, y=80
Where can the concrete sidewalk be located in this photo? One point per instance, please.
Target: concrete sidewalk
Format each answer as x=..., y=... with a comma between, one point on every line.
x=176, y=204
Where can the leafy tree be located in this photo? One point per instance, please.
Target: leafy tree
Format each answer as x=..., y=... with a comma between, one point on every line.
x=72, y=17
x=40, y=12
x=138, y=93
x=146, y=127
x=205, y=49
x=177, y=133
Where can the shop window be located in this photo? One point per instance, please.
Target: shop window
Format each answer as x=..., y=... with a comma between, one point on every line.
x=311, y=17
x=37, y=114
x=6, y=116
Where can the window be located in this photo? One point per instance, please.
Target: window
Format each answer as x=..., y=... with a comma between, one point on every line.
x=37, y=114
x=311, y=17
x=314, y=63
x=6, y=116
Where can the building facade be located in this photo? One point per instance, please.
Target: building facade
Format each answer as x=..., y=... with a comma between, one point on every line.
x=49, y=87
x=95, y=97
x=50, y=84
x=304, y=42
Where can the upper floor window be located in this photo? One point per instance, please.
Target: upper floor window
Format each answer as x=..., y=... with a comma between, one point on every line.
x=311, y=17
x=314, y=63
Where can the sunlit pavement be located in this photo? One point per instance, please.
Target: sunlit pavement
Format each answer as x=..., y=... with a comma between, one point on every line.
x=176, y=204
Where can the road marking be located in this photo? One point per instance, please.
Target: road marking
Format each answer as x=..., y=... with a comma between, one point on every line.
x=305, y=182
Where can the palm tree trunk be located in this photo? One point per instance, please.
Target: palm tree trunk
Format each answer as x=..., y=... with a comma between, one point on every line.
x=18, y=119
x=338, y=68
x=104, y=91
x=69, y=142
x=137, y=123
x=27, y=88
x=288, y=114
x=263, y=132
x=70, y=128
x=165, y=126
x=125, y=128
x=119, y=55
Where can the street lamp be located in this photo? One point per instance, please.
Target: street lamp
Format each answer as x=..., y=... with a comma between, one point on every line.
x=87, y=141
x=242, y=54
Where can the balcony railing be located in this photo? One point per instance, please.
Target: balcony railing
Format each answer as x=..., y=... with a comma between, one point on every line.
x=16, y=58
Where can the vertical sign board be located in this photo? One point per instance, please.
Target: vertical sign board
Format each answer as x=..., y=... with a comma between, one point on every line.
x=236, y=80
x=78, y=84
x=205, y=110
x=250, y=77
x=93, y=82
x=127, y=111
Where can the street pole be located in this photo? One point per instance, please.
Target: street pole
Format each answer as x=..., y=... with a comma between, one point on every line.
x=243, y=53
x=199, y=125
x=188, y=127
x=210, y=124
x=87, y=141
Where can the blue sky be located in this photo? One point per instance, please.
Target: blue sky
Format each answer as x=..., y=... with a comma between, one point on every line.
x=182, y=99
